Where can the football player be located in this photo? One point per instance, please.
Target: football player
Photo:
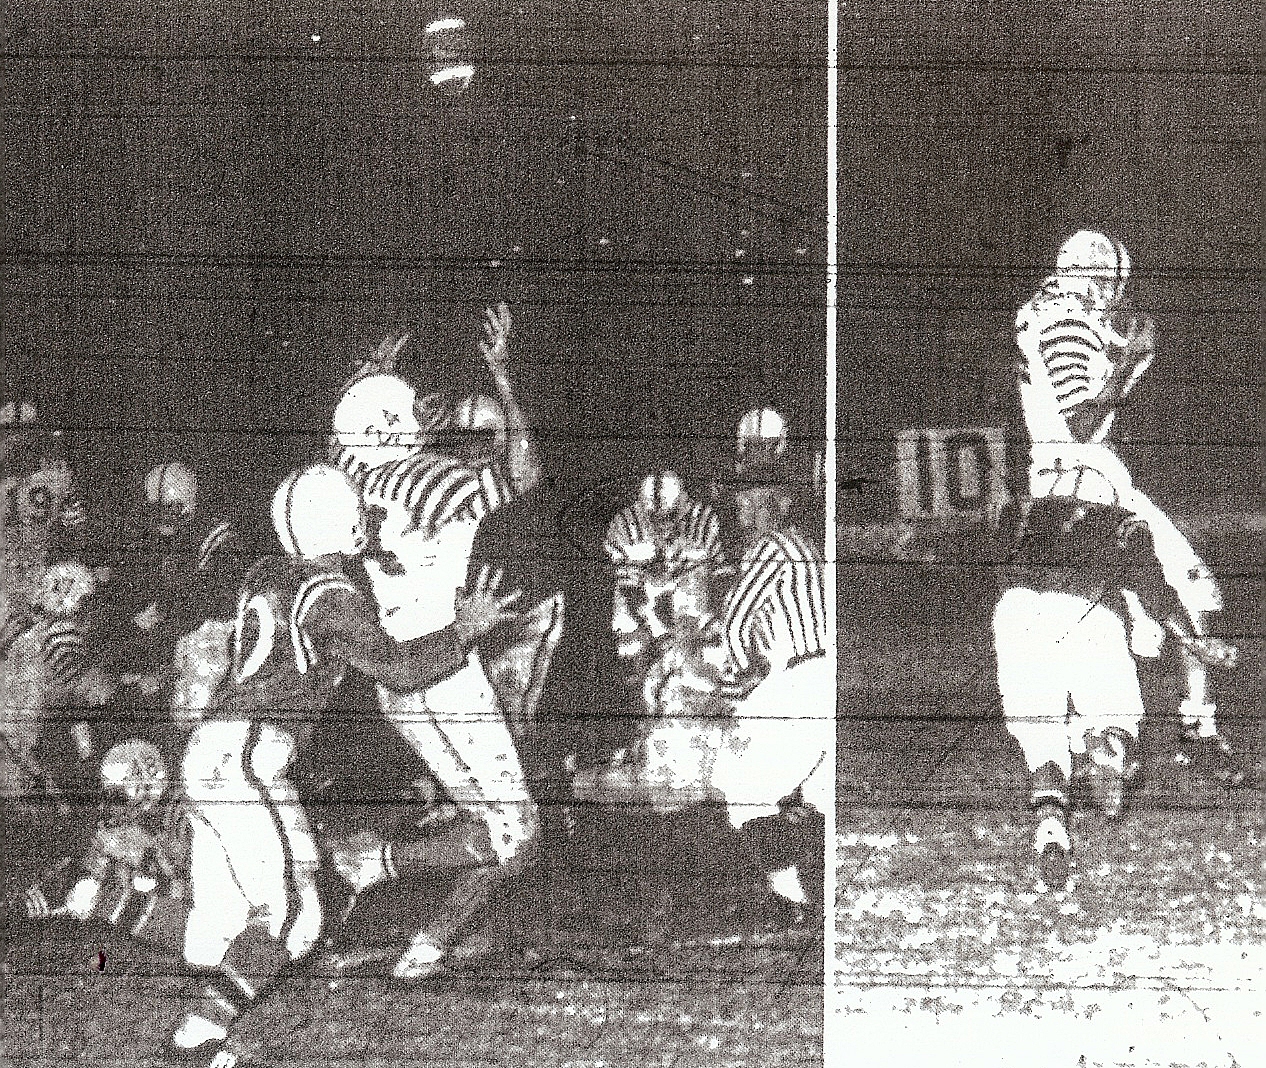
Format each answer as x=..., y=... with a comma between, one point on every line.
x=47, y=674
x=769, y=768
x=1065, y=642
x=44, y=519
x=300, y=624
x=176, y=585
x=132, y=875
x=1084, y=352
x=664, y=541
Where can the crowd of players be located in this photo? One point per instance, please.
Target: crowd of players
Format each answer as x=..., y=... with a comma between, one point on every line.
x=177, y=676
x=184, y=676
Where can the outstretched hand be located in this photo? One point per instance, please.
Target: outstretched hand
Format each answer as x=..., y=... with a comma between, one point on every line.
x=494, y=339
x=484, y=606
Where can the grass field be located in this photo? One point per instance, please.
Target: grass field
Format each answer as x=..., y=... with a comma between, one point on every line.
x=945, y=955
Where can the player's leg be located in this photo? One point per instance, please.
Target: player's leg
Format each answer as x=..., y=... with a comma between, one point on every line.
x=252, y=877
x=1032, y=682
x=782, y=734
x=1108, y=704
x=460, y=734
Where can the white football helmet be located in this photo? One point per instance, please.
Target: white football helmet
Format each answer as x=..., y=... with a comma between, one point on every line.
x=172, y=490
x=1086, y=484
x=134, y=776
x=761, y=438
x=1092, y=259
x=317, y=512
x=375, y=421
x=64, y=587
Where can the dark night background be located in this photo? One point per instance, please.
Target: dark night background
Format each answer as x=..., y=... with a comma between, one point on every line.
x=974, y=138
x=209, y=213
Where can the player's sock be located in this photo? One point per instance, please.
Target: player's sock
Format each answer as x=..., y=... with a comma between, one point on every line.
x=252, y=963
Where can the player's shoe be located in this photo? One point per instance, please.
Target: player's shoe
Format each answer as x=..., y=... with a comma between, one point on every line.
x=361, y=861
x=1210, y=755
x=1053, y=846
x=422, y=960
x=783, y=920
x=1110, y=765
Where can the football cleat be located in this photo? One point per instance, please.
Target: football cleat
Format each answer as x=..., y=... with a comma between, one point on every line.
x=1212, y=756
x=781, y=919
x=212, y=1054
x=1053, y=847
x=421, y=960
x=1110, y=765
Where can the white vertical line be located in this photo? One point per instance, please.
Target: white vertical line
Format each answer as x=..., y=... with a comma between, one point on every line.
x=831, y=546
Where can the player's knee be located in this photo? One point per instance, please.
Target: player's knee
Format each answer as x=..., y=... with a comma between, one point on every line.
x=271, y=754
x=306, y=929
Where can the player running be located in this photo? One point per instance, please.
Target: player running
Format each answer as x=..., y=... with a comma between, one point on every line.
x=1065, y=642
x=300, y=624
x=1084, y=352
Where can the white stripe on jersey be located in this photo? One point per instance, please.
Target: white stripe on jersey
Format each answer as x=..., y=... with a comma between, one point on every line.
x=778, y=603
x=309, y=593
x=63, y=651
x=212, y=543
x=631, y=527
x=13, y=628
x=436, y=490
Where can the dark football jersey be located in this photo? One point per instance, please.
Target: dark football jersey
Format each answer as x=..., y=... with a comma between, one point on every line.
x=299, y=626
x=1091, y=550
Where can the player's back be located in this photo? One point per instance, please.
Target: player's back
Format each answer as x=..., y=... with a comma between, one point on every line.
x=1069, y=545
x=278, y=666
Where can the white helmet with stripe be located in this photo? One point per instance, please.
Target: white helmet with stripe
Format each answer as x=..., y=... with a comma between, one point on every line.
x=375, y=422
x=171, y=489
x=134, y=775
x=1093, y=259
x=316, y=512
x=662, y=494
x=64, y=587
x=761, y=438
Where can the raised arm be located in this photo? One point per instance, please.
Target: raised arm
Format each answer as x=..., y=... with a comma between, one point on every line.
x=523, y=457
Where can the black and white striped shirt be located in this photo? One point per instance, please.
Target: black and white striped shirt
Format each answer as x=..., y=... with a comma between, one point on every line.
x=776, y=613
x=435, y=490
x=53, y=645
x=632, y=541
x=1071, y=338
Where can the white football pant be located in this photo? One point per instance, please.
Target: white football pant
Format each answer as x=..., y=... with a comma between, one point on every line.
x=1053, y=647
x=781, y=739
x=253, y=859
